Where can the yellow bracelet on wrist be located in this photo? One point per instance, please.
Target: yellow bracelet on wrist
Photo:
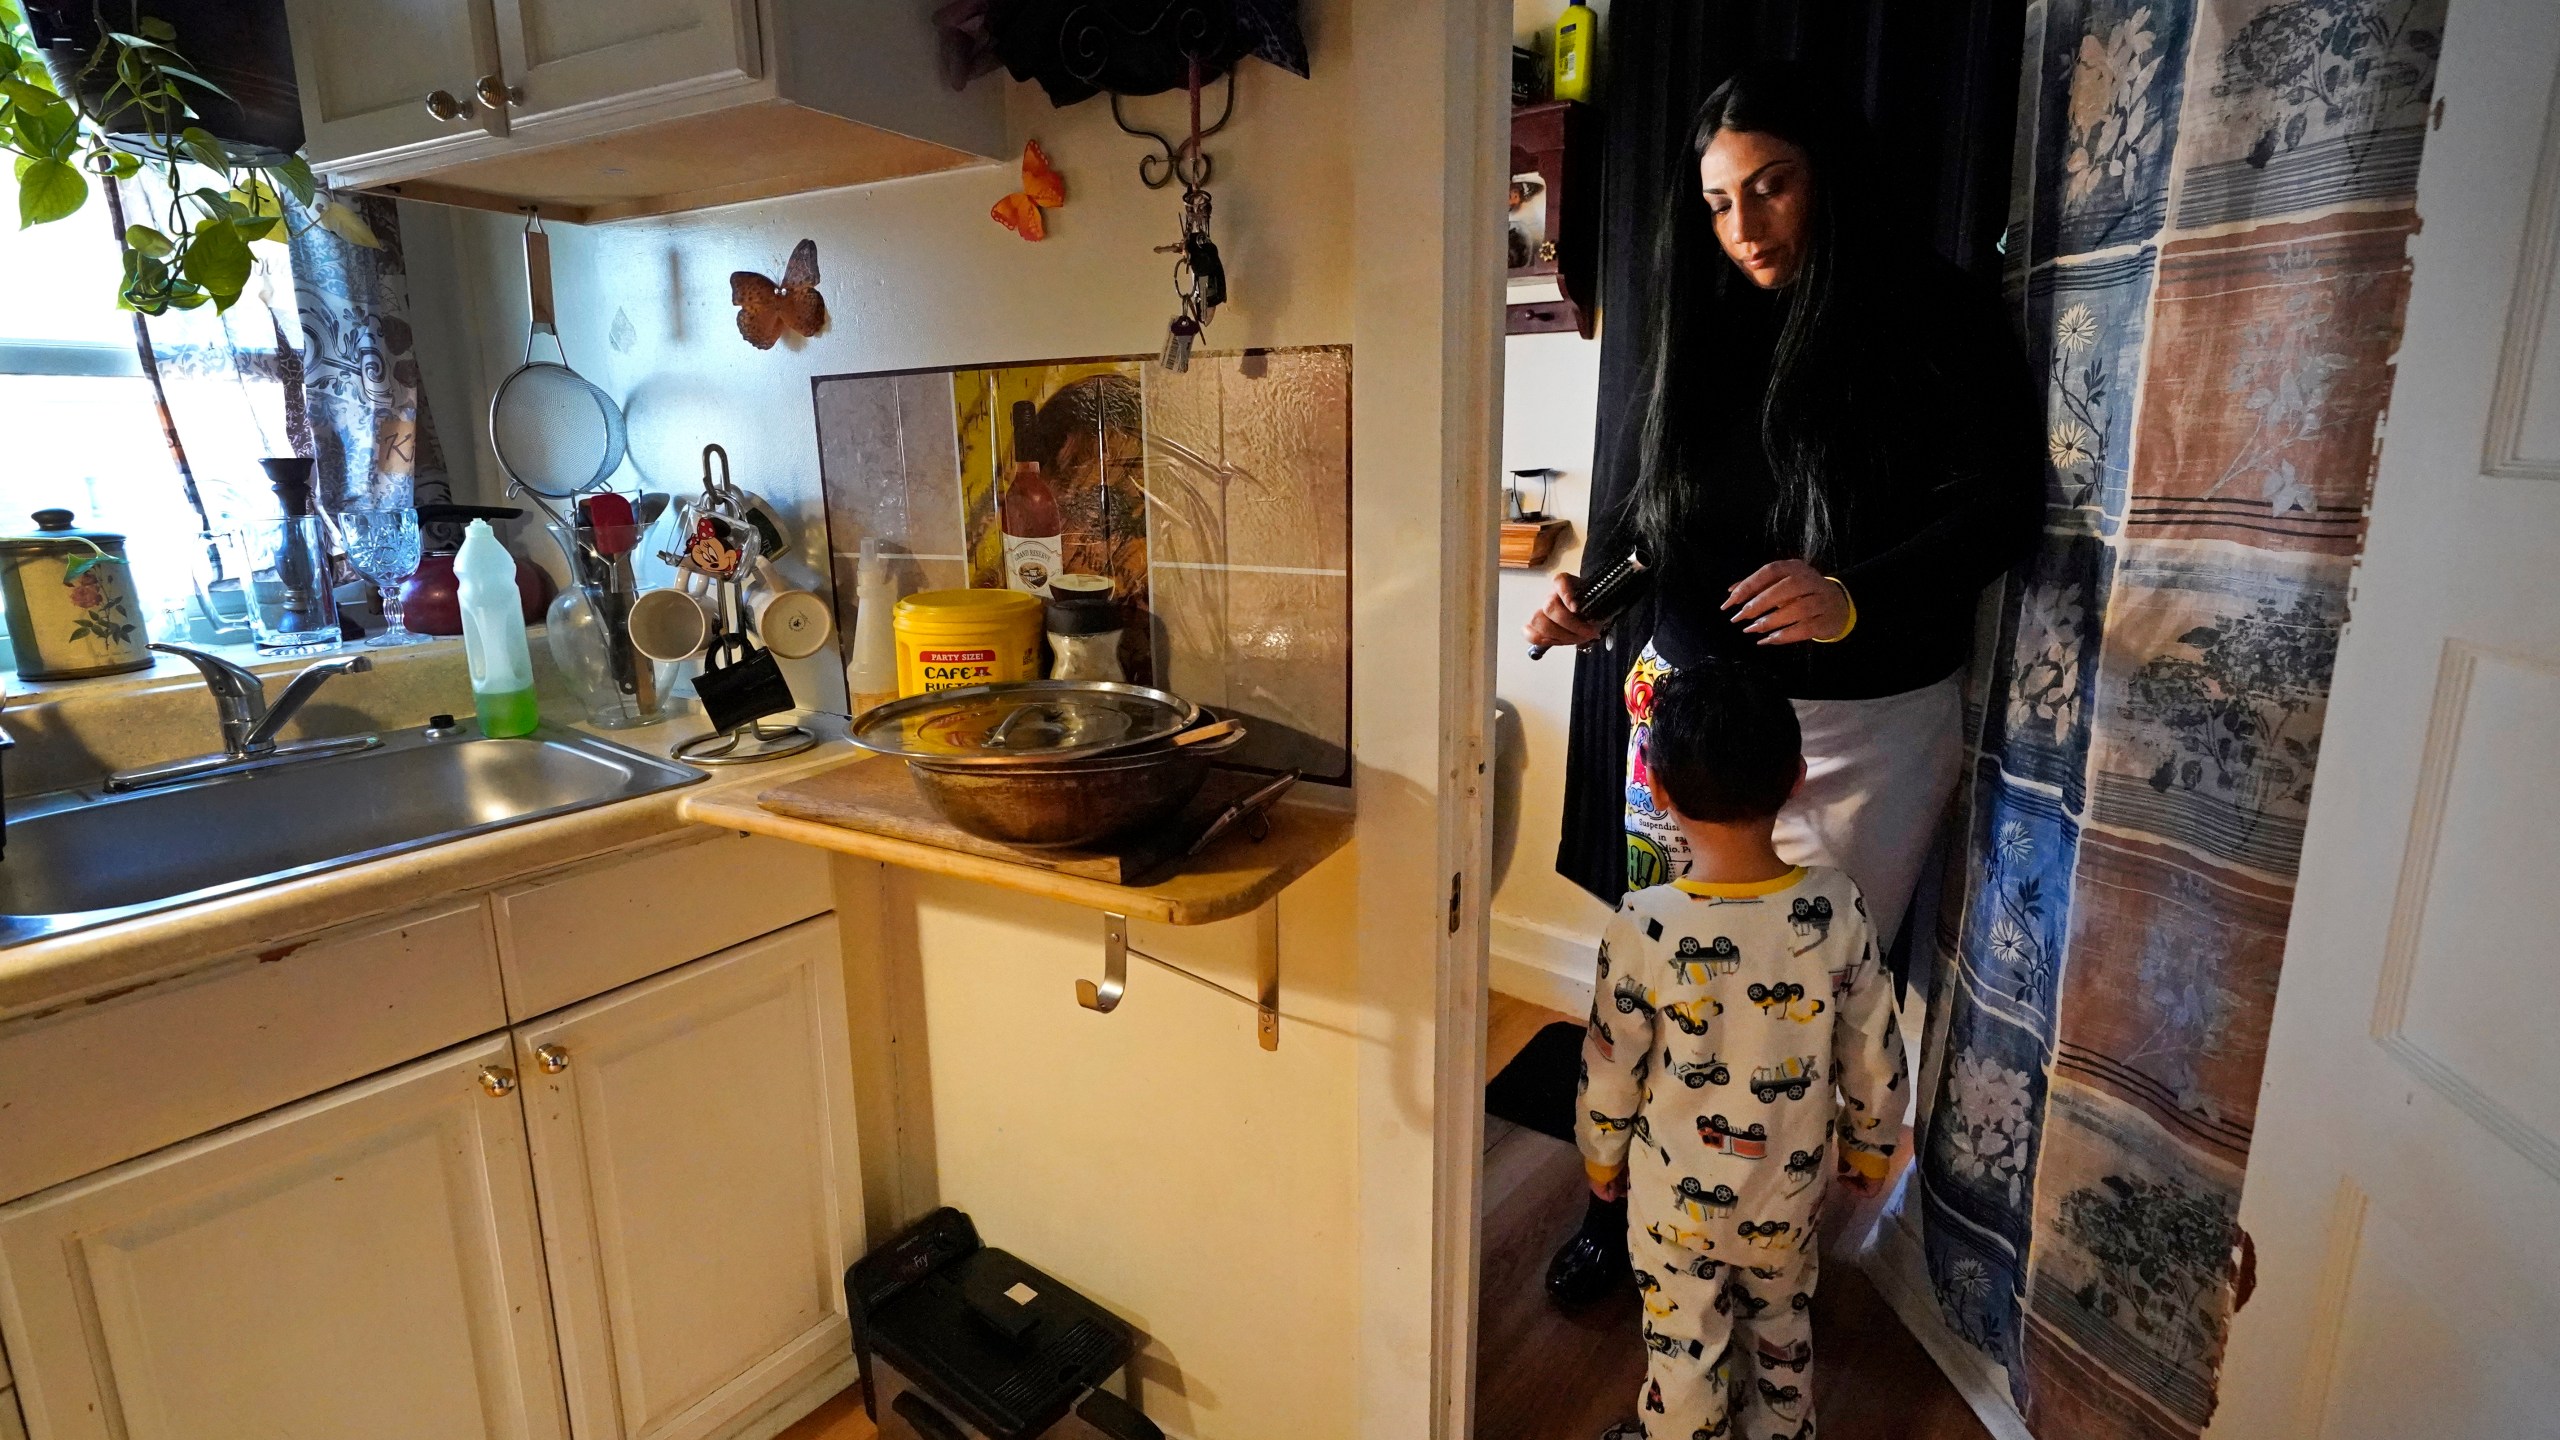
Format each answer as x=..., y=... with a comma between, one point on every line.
x=1853, y=613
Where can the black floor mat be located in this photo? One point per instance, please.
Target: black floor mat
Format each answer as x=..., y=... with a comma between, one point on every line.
x=1535, y=1091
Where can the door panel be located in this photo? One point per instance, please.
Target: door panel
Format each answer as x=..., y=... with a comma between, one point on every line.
x=692, y=1143
x=2403, y=1349
x=2405, y=1173
x=569, y=54
x=365, y=1263
x=365, y=68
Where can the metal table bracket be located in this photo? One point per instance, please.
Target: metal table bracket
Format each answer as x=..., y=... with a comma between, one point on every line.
x=1105, y=997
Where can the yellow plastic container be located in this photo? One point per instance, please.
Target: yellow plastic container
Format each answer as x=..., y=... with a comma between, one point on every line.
x=1575, y=41
x=951, y=639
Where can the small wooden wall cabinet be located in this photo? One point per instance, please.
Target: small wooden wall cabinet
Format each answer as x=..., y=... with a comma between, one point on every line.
x=594, y=110
x=1559, y=141
x=539, y=1162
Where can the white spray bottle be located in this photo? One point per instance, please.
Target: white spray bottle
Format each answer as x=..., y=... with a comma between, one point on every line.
x=871, y=669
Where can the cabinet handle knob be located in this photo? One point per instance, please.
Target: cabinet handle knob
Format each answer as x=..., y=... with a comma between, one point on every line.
x=498, y=1080
x=442, y=105
x=551, y=1058
x=497, y=94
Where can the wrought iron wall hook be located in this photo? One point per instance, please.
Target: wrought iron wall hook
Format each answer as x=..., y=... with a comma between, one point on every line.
x=1181, y=160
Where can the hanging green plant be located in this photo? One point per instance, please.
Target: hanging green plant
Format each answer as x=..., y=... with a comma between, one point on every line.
x=128, y=111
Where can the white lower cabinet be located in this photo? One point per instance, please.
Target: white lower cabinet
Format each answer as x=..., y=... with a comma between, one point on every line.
x=700, y=1202
x=364, y=1263
x=628, y=1218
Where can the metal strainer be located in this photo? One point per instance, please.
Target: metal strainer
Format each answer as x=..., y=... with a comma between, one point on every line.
x=555, y=433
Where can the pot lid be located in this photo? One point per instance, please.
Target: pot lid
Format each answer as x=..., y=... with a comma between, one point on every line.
x=1022, y=721
x=55, y=532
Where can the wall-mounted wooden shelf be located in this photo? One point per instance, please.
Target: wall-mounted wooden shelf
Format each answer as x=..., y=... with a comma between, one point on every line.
x=1236, y=876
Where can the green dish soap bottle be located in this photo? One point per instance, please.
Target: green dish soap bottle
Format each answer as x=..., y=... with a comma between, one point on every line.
x=493, y=638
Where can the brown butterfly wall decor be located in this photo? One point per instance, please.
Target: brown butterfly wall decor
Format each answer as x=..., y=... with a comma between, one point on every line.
x=767, y=309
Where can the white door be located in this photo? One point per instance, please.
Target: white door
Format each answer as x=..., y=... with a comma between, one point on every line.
x=2403, y=1190
x=693, y=1147
x=367, y=67
x=569, y=55
x=364, y=1263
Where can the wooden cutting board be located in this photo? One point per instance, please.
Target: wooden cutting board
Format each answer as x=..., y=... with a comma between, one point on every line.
x=877, y=795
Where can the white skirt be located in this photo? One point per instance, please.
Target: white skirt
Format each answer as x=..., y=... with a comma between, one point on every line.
x=1878, y=775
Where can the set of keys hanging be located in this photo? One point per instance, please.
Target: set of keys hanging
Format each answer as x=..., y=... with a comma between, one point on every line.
x=1199, y=276
x=1199, y=279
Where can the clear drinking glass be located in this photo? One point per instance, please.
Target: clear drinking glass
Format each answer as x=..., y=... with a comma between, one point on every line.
x=385, y=545
x=290, y=608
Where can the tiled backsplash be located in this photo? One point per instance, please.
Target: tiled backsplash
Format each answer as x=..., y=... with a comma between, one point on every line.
x=1218, y=500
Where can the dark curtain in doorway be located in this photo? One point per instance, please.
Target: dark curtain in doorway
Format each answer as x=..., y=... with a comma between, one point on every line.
x=1937, y=81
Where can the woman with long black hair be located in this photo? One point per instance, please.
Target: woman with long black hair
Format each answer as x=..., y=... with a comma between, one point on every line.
x=1840, y=446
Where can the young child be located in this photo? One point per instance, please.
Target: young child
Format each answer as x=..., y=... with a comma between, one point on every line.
x=1729, y=1007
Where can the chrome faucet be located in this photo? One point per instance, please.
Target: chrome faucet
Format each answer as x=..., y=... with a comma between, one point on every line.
x=249, y=721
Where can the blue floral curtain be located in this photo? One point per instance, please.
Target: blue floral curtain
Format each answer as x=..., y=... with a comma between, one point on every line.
x=238, y=387
x=367, y=410
x=2209, y=249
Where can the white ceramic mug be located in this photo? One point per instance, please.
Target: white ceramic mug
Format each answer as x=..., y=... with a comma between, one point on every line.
x=672, y=625
x=792, y=623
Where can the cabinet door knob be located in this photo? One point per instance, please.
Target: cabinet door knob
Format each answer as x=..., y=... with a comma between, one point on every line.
x=498, y=1080
x=497, y=94
x=551, y=1058
x=442, y=105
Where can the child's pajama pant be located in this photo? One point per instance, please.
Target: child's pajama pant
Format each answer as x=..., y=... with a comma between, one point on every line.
x=1731, y=1331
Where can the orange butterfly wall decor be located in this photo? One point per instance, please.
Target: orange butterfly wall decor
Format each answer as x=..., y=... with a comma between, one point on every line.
x=767, y=310
x=1043, y=188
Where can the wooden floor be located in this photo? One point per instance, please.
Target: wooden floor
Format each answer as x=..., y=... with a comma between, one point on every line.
x=838, y=1419
x=1542, y=1375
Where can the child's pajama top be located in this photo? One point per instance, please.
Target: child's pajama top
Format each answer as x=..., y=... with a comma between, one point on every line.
x=1726, y=1017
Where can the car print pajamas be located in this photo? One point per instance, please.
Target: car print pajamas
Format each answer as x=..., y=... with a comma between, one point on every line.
x=1726, y=1018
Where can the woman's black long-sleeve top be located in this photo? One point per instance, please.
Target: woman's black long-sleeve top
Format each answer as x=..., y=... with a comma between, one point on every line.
x=1950, y=496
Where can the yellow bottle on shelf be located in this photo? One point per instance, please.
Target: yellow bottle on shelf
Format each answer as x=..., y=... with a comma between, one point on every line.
x=1576, y=30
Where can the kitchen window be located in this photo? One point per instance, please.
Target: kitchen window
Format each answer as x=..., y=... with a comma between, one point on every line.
x=78, y=427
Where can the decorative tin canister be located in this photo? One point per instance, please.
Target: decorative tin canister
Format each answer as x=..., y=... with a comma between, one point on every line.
x=71, y=603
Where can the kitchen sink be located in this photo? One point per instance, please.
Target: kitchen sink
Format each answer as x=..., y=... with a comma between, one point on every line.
x=77, y=858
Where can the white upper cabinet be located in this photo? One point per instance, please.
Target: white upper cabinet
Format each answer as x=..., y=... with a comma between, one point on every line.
x=369, y=70
x=593, y=110
x=565, y=55
x=365, y=1263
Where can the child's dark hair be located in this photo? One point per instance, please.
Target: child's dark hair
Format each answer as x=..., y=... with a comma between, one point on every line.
x=1724, y=743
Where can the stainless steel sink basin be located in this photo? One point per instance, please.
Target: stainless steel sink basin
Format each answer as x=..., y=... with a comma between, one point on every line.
x=78, y=858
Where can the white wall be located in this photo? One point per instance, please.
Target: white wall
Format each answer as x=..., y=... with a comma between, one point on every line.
x=1544, y=926
x=1270, y=1221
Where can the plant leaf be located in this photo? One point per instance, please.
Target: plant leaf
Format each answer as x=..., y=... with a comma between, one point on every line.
x=144, y=240
x=125, y=165
x=256, y=199
x=217, y=259
x=194, y=79
x=340, y=219
x=256, y=227
x=48, y=190
x=158, y=29
x=26, y=94
x=202, y=148
x=294, y=174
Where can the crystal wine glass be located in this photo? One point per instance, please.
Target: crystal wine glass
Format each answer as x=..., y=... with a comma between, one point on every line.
x=385, y=545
